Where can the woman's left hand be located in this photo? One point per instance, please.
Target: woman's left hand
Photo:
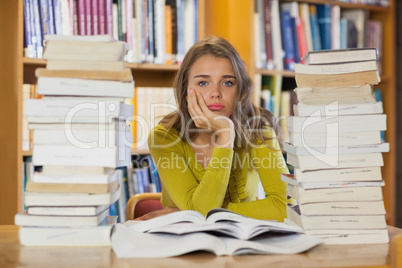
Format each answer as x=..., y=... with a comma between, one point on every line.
x=157, y=213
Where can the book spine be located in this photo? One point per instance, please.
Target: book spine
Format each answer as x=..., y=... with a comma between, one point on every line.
x=168, y=32
x=95, y=17
x=38, y=30
x=287, y=40
x=30, y=40
x=75, y=17
x=109, y=17
x=44, y=17
x=88, y=17
x=129, y=29
x=268, y=37
x=102, y=17
x=57, y=17
x=174, y=30
x=324, y=21
x=51, y=17
x=81, y=17
x=315, y=31
x=295, y=39
x=151, y=31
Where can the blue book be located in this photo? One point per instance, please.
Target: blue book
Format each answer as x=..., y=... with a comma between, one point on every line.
x=315, y=31
x=57, y=17
x=180, y=30
x=288, y=40
x=154, y=175
x=140, y=184
x=151, y=32
x=38, y=30
x=378, y=96
x=44, y=17
x=29, y=34
x=324, y=22
x=50, y=11
x=296, y=40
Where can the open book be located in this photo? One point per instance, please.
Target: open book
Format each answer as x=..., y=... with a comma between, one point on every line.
x=218, y=220
x=221, y=232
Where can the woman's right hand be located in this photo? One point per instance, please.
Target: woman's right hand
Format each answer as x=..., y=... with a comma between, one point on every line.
x=204, y=118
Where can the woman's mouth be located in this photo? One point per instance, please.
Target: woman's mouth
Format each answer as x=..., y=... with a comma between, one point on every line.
x=216, y=107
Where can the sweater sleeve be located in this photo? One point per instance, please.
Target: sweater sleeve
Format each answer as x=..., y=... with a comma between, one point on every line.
x=270, y=164
x=179, y=181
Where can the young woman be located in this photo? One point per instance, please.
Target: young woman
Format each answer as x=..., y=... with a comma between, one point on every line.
x=216, y=148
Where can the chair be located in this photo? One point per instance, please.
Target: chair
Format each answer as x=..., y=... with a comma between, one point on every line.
x=141, y=204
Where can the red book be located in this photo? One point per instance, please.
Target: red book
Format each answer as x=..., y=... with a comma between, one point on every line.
x=102, y=16
x=88, y=17
x=94, y=17
x=82, y=30
x=268, y=37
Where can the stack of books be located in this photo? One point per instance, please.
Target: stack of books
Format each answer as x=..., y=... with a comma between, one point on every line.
x=336, y=148
x=81, y=136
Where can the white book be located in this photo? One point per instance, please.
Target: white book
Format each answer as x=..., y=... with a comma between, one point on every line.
x=85, y=65
x=354, y=149
x=338, y=109
x=290, y=179
x=81, y=156
x=72, y=187
x=76, y=170
x=339, y=174
x=332, y=138
x=340, y=55
x=76, y=176
x=23, y=219
x=76, y=110
x=369, y=193
x=114, y=124
x=351, y=237
x=84, y=50
x=70, y=199
x=101, y=137
x=338, y=68
x=341, y=95
x=85, y=38
x=343, y=208
x=343, y=123
x=68, y=236
x=67, y=210
x=84, y=87
x=336, y=222
x=314, y=162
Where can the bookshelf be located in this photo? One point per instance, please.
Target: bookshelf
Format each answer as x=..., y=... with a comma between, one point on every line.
x=231, y=19
x=16, y=70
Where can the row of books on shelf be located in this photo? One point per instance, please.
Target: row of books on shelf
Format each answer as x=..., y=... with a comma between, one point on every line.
x=284, y=32
x=156, y=31
x=335, y=149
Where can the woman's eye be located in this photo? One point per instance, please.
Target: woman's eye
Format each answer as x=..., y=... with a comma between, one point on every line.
x=202, y=83
x=228, y=83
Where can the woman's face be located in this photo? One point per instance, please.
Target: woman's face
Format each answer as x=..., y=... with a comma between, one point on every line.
x=215, y=80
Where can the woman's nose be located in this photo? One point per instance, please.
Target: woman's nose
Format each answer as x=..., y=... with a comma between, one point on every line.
x=215, y=92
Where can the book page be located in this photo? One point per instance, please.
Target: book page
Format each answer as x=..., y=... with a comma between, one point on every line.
x=175, y=217
x=129, y=243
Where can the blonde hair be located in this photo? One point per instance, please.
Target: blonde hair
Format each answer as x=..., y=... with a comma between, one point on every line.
x=249, y=120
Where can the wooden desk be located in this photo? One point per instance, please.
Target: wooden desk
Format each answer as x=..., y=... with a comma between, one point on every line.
x=12, y=254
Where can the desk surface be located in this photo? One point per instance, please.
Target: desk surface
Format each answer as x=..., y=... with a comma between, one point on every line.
x=12, y=254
